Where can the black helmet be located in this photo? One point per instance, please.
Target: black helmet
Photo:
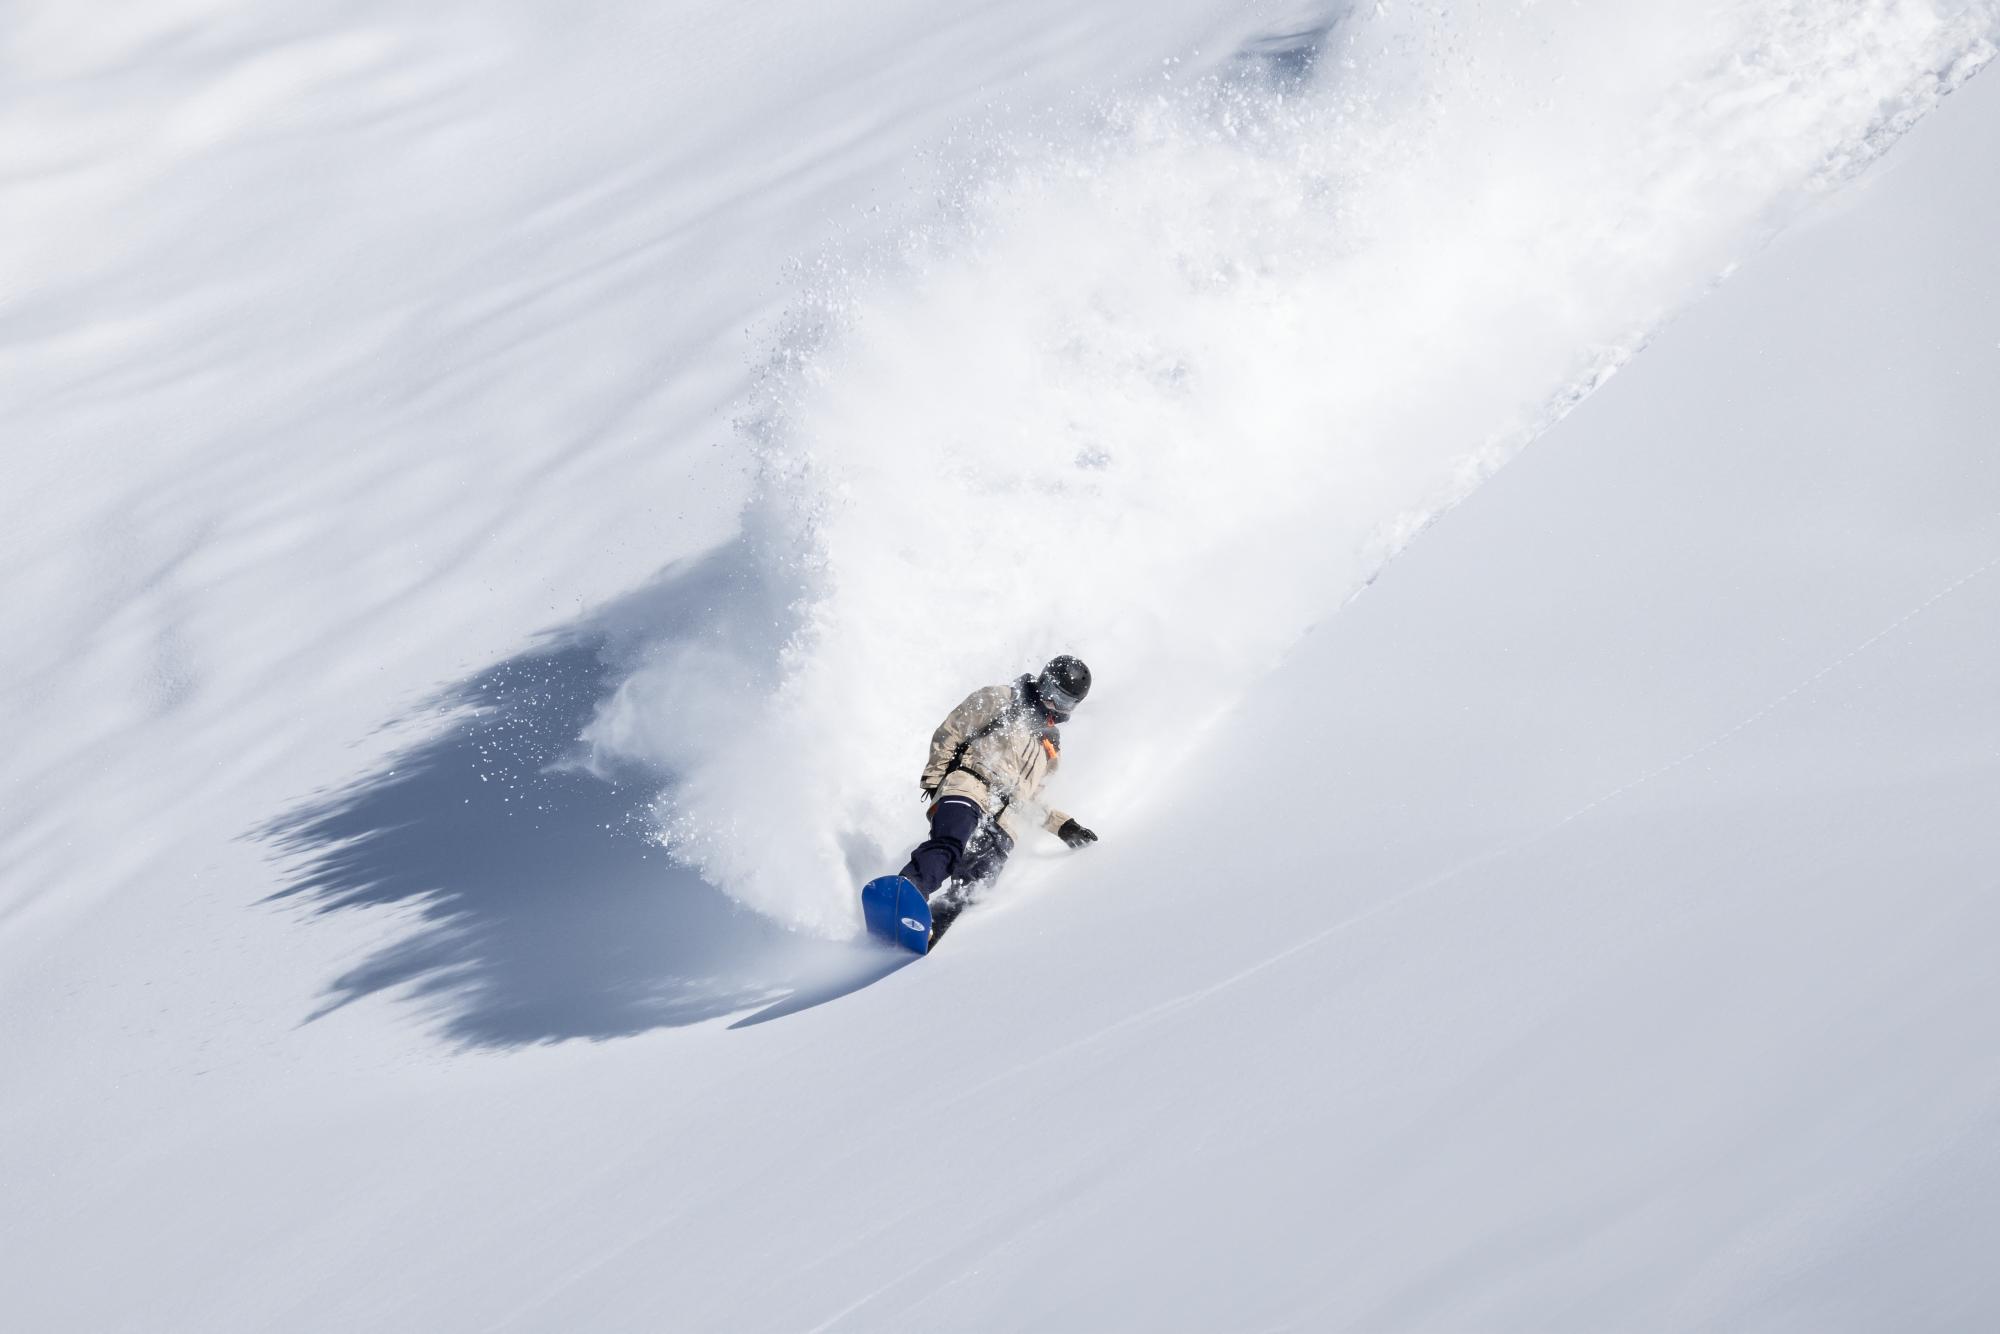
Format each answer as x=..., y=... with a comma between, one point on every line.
x=1062, y=686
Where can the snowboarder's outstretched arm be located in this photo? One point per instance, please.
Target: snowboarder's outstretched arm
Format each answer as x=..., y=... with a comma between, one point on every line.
x=1064, y=826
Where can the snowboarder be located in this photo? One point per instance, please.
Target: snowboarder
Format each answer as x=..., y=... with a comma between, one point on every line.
x=990, y=756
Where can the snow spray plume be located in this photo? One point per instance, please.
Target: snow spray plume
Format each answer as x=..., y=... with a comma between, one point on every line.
x=1167, y=392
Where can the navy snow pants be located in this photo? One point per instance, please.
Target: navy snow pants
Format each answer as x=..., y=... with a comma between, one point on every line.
x=964, y=846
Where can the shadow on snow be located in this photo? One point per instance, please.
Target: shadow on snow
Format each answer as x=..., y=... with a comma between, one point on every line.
x=542, y=910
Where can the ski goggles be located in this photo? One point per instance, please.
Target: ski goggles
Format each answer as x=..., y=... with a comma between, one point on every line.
x=1056, y=700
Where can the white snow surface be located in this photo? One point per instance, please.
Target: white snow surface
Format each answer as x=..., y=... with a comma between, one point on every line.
x=497, y=499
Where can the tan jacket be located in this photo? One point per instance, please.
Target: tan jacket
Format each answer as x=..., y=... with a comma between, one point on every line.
x=1009, y=751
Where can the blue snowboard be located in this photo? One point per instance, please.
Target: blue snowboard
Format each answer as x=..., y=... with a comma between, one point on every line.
x=897, y=913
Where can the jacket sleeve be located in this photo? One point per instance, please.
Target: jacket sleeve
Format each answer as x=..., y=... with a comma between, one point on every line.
x=979, y=708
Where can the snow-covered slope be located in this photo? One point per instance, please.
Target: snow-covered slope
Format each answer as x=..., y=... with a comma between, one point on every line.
x=1236, y=345
x=1580, y=928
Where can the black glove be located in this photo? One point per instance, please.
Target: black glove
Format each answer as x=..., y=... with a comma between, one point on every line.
x=1075, y=834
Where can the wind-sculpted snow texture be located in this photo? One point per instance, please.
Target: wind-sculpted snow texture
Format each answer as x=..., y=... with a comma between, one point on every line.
x=1165, y=385
x=452, y=450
